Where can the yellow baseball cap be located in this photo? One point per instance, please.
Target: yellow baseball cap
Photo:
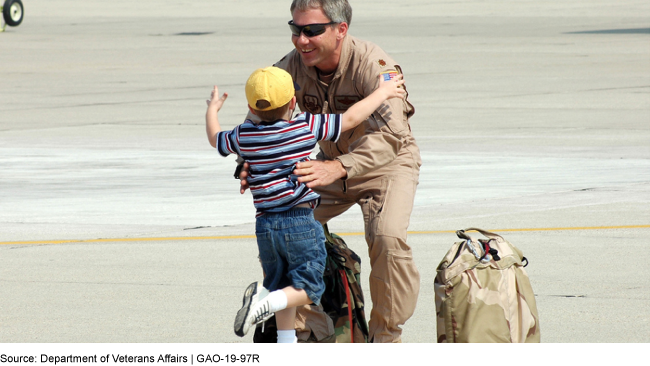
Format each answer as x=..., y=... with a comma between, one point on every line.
x=270, y=84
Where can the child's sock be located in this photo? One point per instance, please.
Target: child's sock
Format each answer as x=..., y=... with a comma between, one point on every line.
x=277, y=301
x=287, y=336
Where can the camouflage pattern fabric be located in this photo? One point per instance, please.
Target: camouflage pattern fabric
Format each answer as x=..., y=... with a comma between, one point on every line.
x=483, y=293
x=342, y=273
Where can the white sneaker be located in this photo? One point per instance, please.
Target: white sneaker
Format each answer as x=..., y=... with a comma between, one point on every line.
x=254, y=310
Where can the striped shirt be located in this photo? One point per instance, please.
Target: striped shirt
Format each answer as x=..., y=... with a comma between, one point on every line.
x=272, y=150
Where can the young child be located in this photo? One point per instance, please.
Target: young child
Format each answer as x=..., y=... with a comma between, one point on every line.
x=291, y=242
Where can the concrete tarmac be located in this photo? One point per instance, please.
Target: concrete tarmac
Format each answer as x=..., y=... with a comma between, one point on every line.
x=119, y=223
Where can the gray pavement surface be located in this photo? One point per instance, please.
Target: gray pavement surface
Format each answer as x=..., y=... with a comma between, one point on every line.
x=529, y=114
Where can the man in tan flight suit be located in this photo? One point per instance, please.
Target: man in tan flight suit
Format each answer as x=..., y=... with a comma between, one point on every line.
x=375, y=165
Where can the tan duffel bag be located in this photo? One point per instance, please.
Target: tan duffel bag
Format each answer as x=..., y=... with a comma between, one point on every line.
x=483, y=293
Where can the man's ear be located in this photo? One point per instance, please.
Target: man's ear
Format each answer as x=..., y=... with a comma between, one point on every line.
x=292, y=106
x=252, y=110
x=342, y=30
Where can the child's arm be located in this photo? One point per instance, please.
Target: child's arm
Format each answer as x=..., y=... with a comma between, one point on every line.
x=360, y=111
x=211, y=119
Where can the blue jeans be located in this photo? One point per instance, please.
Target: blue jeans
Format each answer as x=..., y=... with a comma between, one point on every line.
x=292, y=251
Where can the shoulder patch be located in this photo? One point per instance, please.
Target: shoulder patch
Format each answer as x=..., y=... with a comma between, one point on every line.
x=389, y=75
x=381, y=62
x=311, y=104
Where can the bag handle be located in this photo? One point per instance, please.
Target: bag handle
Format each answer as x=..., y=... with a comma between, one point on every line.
x=493, y=253
x=462, y=234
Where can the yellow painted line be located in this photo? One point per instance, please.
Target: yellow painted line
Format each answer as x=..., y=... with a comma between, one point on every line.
x=114, y=240
x=180, y=238
x=545, y=229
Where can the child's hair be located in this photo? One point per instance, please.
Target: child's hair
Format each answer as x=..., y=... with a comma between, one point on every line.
x=270, y=115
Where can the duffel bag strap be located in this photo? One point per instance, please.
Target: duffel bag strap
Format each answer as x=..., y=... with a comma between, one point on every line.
x=463, y=234
x=328, y=236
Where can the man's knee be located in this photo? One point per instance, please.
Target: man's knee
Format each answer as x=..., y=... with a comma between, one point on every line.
x=313, y=325
x=394, y=282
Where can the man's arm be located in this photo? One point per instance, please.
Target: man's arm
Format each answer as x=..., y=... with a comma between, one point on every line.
x=387, y=130
x=320, y=173
x=382, y=140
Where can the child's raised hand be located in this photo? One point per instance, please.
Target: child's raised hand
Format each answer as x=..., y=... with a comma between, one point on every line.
x=392, y=88
x=215, y=102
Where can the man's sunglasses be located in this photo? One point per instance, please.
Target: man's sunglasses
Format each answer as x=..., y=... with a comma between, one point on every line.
x=310, y=30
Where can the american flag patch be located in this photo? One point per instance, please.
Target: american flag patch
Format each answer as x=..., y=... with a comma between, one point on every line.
x=389, y=75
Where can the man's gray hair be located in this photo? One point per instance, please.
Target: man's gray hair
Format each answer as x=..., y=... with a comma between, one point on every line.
x=338, y=11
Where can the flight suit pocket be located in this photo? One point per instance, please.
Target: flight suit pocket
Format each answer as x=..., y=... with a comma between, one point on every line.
x=372, y=206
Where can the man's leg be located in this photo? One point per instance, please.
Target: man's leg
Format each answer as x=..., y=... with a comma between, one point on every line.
x=387, y=203
x=312, y=323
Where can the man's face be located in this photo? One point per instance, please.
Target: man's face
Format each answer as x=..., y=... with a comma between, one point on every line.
x=323, y=50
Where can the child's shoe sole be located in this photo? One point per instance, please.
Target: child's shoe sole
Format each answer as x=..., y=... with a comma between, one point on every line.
x=241, y=328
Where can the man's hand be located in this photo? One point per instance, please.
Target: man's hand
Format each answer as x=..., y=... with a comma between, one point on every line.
x=318, y=173
x=243, y=178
